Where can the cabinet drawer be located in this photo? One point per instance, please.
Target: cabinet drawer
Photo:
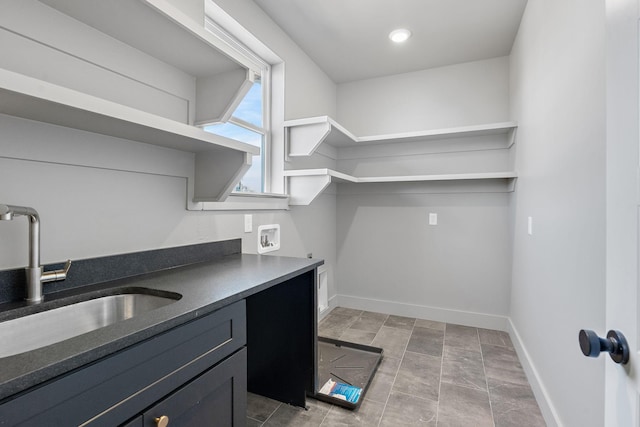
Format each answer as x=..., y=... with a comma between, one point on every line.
x=217, y=398
x=112, y=390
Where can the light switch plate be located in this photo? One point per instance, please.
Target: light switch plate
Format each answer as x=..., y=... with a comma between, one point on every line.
x=248, y=223
x=433, y=219
x=530, y=225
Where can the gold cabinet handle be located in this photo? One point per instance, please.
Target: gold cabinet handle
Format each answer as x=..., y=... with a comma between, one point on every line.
x=162, y=421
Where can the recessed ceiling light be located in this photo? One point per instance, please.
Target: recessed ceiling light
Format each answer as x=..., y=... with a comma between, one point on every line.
x=400, y=35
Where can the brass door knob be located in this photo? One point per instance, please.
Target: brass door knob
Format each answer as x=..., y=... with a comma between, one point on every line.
x=162, y=421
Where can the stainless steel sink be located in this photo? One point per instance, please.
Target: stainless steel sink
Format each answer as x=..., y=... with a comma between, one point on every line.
x=48, y=327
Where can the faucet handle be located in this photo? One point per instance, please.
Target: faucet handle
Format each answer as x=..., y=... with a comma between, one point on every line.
x=55, y=275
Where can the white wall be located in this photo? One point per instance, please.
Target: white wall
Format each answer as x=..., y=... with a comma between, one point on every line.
x=99, y=195
x=459, y=95
x=389, y=258
x=558, y=99
x=308, y=90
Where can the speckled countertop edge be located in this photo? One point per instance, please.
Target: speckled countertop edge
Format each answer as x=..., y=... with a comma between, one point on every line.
x=205, y=287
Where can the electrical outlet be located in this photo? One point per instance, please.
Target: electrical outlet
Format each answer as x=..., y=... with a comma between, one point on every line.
x=248, y=223
x=433, y=219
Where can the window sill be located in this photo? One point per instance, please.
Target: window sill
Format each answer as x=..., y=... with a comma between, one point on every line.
x=249, y=202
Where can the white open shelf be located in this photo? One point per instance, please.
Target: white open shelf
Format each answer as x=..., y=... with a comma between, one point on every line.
x=34, y=99
x=155, y=28
x=304, y=136
x=306, y=184
x=220, y=162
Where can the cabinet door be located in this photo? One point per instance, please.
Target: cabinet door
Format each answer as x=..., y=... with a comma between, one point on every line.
x=216, y=398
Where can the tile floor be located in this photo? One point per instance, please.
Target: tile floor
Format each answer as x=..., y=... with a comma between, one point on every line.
x=432, y=374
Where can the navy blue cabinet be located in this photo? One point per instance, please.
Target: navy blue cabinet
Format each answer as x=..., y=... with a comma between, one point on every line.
x=196, y=374
x=216, y=398
x=113, y=390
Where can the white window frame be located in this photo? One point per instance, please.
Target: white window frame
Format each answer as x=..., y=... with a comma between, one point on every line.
x=266, y=199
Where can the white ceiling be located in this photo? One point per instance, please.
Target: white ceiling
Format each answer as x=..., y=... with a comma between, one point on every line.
x=349, y=40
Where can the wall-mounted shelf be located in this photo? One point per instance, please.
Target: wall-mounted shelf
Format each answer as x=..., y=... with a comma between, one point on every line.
x=304, y=136
x=306, y=184
x=33, y=99
x=121, y=45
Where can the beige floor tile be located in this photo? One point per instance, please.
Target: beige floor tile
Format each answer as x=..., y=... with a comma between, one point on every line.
x=288, y=416
x=400, y=322
x=488, y=336
x=382, y=381
x=368, y=414
x=370, y=322
x=419, y=375
x=461, y=337
x=461, y=406
x=464, y=368
x=406, y=410
x=392, y=341
x=502, y=363
x=426, y=341
x=514, y=405
x=259, y=407
x=431, y=324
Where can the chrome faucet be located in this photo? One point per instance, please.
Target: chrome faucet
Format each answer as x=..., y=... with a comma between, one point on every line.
x=35, y=276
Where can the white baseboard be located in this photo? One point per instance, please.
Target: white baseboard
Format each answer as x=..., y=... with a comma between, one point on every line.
x=468, y=318
x=542, y=397
x=333, y=303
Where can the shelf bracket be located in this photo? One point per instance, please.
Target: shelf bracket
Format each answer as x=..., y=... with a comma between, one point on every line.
x=304, y=189
x=211, y=171
x=304, y=140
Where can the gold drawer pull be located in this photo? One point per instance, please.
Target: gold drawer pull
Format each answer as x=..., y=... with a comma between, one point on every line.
x=162, y=421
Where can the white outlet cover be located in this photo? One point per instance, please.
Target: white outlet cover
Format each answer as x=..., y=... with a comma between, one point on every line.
x=433, y=219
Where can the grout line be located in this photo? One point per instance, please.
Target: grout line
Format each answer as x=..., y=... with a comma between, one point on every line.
x=326, y=415
x=355, y=320
x=444, y=340
x=384, y=408
x=258, y=421
x=413, y=395
x=271, y=415
x=486, y=380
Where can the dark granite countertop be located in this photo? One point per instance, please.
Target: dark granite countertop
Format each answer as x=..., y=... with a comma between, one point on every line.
x=205, y=287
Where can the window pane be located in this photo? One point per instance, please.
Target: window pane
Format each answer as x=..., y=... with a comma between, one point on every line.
x=252, y=181
x=250, y=109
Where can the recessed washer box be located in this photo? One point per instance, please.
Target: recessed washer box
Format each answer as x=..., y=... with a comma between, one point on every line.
x=268, y=238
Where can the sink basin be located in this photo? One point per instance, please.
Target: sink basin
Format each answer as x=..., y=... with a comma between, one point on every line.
x=48, y=327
